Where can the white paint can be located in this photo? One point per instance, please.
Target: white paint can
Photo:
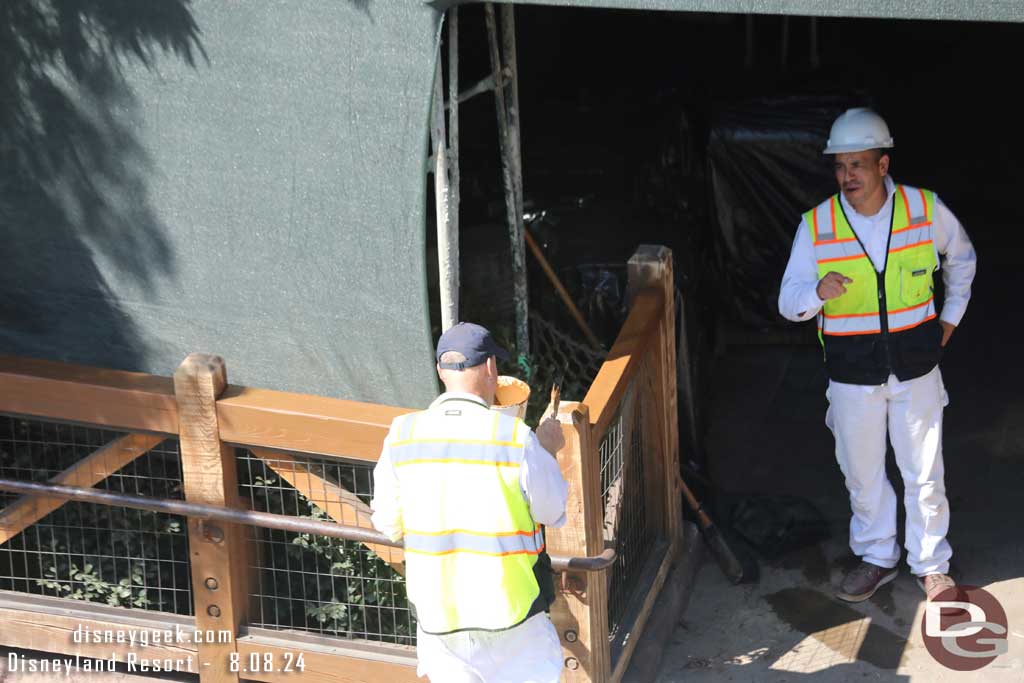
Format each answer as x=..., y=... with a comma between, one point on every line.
x=511, y=396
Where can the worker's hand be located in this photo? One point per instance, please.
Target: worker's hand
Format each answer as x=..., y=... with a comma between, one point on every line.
x=947, y=331
x=832, y=286
x=549, y=433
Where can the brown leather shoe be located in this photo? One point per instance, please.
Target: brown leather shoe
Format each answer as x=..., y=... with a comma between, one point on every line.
x=862, y=582
x=934, y=584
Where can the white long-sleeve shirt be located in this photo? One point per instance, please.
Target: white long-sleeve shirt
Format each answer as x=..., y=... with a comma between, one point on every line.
x=540, y=480
x=798, y=298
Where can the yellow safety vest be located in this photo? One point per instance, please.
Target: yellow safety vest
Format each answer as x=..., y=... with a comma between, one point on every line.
x=470, y=541
x=908, y=281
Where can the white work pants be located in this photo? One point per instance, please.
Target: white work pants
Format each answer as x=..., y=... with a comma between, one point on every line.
x=527, y=653
x=857, y=416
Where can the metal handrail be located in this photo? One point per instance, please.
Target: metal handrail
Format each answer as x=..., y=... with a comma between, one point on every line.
x=264, y=519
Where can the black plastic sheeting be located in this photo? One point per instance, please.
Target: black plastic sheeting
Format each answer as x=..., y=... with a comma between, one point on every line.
x=766, y=168
x=778, y=524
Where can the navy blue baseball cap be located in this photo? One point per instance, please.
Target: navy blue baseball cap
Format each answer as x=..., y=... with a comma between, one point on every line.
x=472, y=341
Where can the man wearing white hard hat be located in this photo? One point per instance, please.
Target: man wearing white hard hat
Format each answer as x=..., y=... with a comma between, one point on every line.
x=863, y=263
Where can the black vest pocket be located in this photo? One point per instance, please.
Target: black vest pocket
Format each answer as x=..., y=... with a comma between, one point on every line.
x=856, y=359
x=917, y=350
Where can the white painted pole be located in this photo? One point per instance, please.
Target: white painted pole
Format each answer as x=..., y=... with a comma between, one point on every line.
x=447, y=242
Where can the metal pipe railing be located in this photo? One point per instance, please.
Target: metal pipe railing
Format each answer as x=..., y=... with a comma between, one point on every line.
x=264, y=519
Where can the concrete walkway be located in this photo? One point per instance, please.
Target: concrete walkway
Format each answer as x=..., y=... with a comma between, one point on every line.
x=789, y=627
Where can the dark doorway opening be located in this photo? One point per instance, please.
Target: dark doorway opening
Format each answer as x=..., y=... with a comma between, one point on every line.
x=619, y=113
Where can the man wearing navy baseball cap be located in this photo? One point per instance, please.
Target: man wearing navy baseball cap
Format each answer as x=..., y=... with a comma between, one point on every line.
x=472, y=341
x=467, y=489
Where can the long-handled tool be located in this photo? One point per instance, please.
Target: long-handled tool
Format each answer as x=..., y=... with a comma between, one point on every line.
x=738, y=567
x=556, y=389
x=560, y=289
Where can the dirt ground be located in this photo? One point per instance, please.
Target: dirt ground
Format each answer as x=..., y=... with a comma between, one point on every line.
x=767, y=436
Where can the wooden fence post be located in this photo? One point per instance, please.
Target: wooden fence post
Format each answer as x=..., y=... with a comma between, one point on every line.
x=580, y=613
x=651, y=266
x=217, y=551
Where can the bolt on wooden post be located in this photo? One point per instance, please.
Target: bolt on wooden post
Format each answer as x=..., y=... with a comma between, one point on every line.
x=217, y=550
x=580, y=612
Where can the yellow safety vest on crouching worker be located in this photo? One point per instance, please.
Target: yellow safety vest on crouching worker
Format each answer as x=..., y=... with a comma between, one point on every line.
x=470, y=541
x=879, y=325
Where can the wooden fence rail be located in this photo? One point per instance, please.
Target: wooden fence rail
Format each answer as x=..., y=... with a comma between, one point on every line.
x=620, y=458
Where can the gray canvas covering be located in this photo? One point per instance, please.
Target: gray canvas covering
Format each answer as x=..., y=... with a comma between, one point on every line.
x=244, y=178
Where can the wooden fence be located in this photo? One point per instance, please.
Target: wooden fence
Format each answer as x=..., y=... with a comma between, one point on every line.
x=311, y=457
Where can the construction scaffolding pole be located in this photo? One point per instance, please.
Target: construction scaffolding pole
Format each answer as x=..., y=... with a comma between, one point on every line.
x=506, y=100
x=453, y=150
x=508, y=59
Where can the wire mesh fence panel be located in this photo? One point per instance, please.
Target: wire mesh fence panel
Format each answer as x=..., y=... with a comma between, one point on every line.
x=317, y=583
x=626, y=521
x=85, y=551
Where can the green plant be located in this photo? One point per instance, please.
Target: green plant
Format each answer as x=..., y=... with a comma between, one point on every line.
x=88, y=552
x=85, y=583
x=344, y=588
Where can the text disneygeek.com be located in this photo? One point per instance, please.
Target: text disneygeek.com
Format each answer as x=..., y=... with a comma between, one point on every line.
x=147, y=637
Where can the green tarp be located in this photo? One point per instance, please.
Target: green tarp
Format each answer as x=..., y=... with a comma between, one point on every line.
x=265, y=202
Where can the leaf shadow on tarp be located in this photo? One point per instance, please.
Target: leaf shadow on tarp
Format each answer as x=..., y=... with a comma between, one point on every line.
x=363, y=6
x=74, y=206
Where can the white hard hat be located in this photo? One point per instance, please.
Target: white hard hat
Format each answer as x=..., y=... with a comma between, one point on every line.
x=857, y=130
